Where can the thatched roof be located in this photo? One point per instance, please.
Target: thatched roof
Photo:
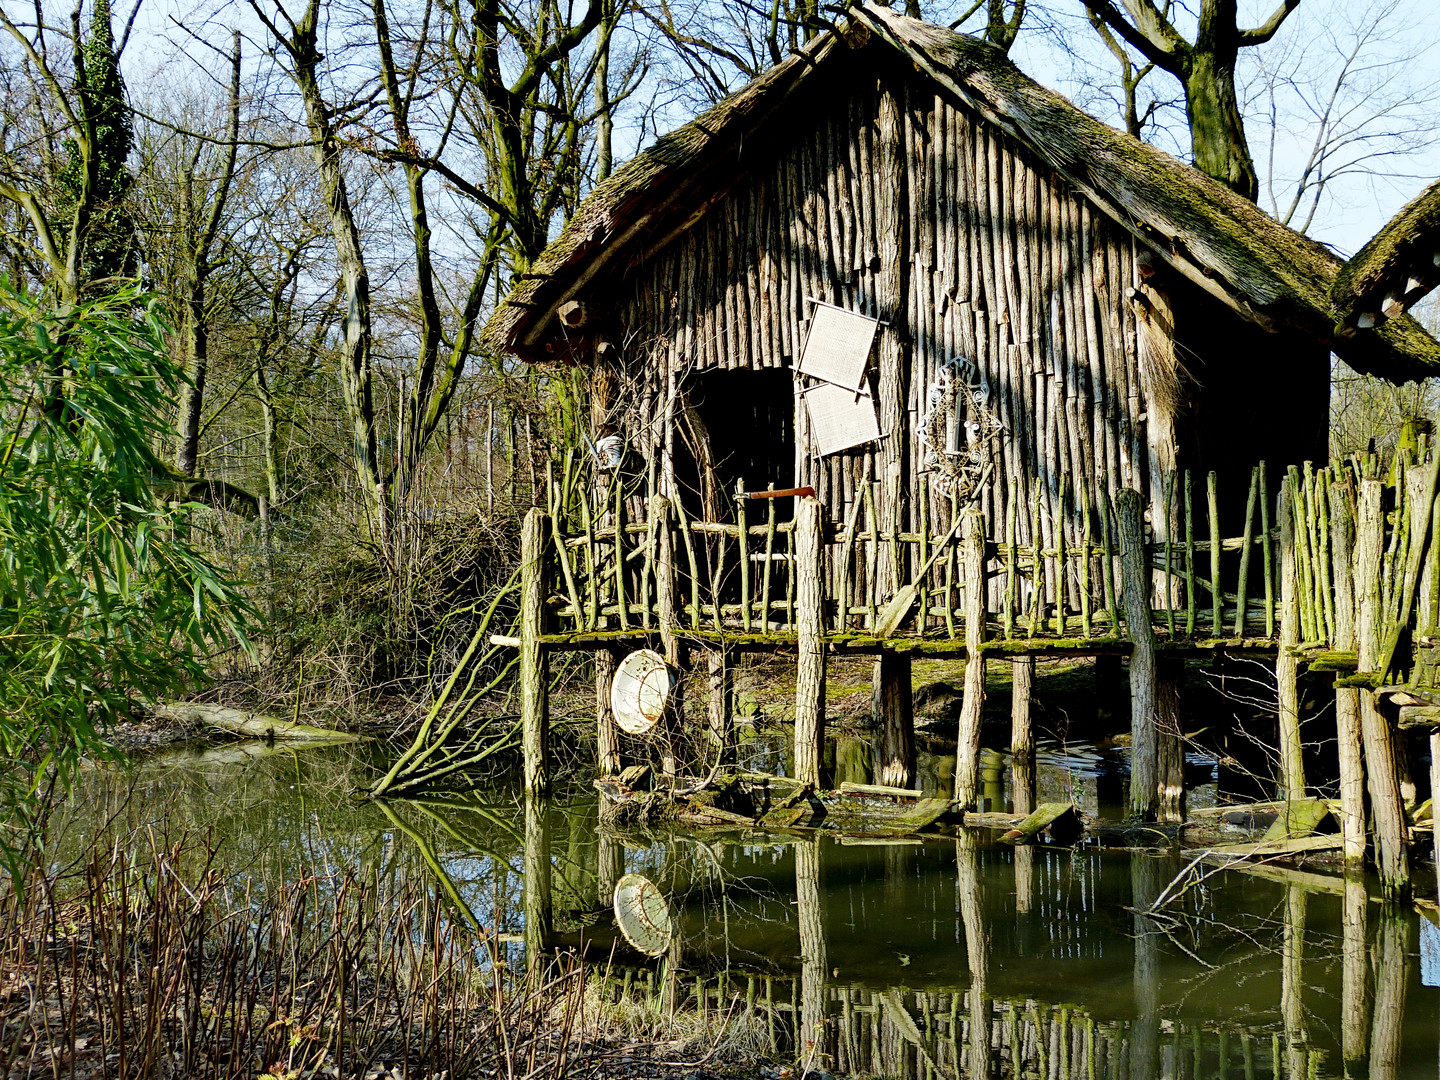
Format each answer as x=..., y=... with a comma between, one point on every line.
x=1399, y=265
x=1219, y=241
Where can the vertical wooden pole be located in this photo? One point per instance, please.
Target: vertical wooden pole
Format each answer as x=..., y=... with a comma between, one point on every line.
x=1212, y=506
x=1378, y=738
x=720, y=702
x=893, y=712
x=809, y=625
x=967, y=751
x=607, y=732
x=534, y=663
x=1022, y=684
x=666, y=616
x=1144, y=681
x=1169, y=741
x=1287, y=665
x=1347, y=698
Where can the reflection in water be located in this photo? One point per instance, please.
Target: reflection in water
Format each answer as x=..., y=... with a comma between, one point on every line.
x=952, y=958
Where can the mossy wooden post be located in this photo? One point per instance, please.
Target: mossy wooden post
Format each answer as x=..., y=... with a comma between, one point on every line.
x=1347, y=698
x=810, y=628
x=1381, y=769
x=534, y=664
x=1144, y=681
x=893, y=713
x=1022, y=685
x=720, y=702
x=1287, y=665
x=668, y=620
x=967, y=752
x=607, y=732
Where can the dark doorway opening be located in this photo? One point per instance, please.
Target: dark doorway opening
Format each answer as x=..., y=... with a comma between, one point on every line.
x=745, y=432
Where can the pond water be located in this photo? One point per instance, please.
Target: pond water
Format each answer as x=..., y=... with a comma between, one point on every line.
x=955, y=957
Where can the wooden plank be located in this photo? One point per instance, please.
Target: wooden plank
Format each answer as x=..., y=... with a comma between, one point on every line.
x=851, y=788
x=1286, y=846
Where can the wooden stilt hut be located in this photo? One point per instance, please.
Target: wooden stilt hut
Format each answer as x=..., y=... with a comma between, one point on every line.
x=1106, y=313
x=896, y=271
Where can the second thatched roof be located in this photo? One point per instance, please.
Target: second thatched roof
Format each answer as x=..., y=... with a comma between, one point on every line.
x=1399, y=265
x=1222, y=243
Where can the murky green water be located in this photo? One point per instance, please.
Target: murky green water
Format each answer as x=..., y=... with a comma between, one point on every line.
x=954, y=957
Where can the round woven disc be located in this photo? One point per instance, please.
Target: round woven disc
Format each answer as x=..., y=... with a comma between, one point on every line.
x=640, y=690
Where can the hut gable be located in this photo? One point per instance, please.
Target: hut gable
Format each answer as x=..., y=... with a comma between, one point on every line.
x=1220, y=243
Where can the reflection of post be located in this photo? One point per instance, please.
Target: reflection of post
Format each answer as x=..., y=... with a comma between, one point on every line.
x=812, y=954
x=992, y=780
x=610, y=870
x=539, y=914
x=1292, y=1007
x=1147, y=878
x=1354, y=997
x=972, y=914
x=1392, y=973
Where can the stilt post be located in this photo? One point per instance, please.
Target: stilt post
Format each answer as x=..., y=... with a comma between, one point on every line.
x=1287, y=665
x=1379, y=740
x=534, y=664
x=809, y=625
x=720, y=702
x=967, y=752
x=1022, y=684
x=1144, y=680
x=668, y=620
x=1347, y=698
x=893, y=712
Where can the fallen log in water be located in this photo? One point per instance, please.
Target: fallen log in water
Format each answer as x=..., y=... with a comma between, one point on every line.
x=248, y=724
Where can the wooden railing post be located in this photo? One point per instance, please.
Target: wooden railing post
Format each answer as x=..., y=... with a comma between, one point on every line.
x=1287, y=665
x=1144, y=679
x=810, y=629
x=1380, y=765
x=668, y=620
x=607, y=732
x=1347, y=698
x=967, y=750
x=534, y=664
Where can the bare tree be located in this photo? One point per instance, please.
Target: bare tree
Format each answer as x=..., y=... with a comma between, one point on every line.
x=1348, y=102
x=1205, y=67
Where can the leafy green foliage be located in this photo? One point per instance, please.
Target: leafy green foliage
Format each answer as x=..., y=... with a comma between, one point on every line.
x=109, y=239
x=103, y=596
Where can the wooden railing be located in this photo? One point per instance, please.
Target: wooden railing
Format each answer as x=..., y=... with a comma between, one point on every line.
x=1212, y=580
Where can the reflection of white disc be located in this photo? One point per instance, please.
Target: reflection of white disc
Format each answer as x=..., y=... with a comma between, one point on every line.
x=641, y=688
x=642, y=914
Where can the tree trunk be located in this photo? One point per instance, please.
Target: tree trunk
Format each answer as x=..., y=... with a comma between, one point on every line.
x=192, y=397
x=1217, y=130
